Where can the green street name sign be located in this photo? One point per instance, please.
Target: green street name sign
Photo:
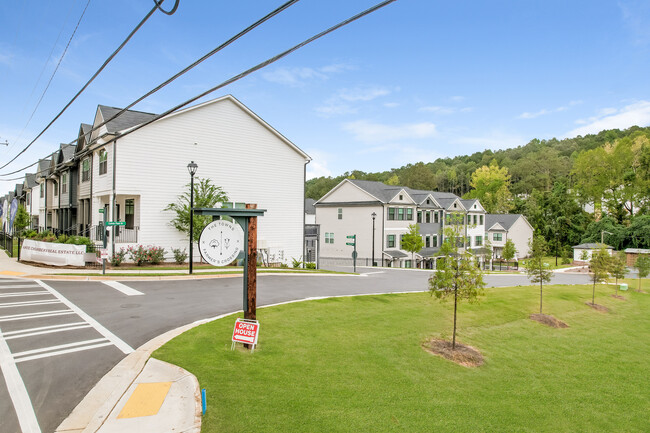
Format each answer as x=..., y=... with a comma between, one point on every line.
x=349, y=243
x=351, y=236
x=101, y=210
x=115, y=223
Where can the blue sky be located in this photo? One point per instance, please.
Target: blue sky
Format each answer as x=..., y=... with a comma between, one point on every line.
x=415, y=81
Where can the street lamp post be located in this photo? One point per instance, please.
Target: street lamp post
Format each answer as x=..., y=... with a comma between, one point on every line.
x=191, y=167
x=556, y=245
x=374, y=215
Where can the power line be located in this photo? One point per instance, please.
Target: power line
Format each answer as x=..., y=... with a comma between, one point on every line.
x=157, y=5
x=249, y=71
x=185, y=70
x=262, y=64
x=55, y=70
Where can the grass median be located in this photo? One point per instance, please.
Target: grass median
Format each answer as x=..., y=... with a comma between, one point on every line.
x=357, y=364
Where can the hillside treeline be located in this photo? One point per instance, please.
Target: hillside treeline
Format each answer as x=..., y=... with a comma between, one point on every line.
x=552, y=182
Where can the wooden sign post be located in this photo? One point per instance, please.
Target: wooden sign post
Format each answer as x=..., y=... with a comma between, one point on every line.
x=247, y=219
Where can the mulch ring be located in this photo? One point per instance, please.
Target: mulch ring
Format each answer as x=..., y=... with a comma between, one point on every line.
x=463, y=355
x=597, y=307
x=619, y=297
x=548, y=321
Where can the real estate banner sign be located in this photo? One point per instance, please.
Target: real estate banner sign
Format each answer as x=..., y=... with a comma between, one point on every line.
x=53, y=254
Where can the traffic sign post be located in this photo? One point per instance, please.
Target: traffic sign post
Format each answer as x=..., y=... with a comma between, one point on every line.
x=354, y=252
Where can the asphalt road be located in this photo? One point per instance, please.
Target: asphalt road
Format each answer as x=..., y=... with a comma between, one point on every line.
x=59, y=338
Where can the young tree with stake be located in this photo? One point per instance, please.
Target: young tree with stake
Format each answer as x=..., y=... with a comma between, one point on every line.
x=412, y=241
x=618, y=267
x=643, y=266
x=457, y=274
x=536, y=269
x=599, y=267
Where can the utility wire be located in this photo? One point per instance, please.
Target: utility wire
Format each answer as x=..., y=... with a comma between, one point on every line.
x=54, y=72
x=193, y=65
x=262, y=64
x=183, y=71
x=247, y=72
x=157, y=5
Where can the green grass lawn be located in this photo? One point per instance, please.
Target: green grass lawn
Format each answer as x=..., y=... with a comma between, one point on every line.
x=356, y=364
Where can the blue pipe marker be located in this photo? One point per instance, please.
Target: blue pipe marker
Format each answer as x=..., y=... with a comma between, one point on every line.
x=203, y=400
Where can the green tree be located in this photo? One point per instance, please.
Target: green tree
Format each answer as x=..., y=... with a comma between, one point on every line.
x=491, y=185
x=643, y=267
x=536, y=269
x=456, y=275
x=206, y=195
x=584, y=255
x=618, y=267
x=599, y=266
x=412, y=241
x=509, y=250
x=22, y=219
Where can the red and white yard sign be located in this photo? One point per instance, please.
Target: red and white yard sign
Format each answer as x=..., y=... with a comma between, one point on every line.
x=246, y=331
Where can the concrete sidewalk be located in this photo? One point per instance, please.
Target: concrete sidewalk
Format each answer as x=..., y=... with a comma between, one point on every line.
x=139, y=394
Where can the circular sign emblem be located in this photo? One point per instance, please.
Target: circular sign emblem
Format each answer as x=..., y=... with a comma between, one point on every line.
x=220, y=242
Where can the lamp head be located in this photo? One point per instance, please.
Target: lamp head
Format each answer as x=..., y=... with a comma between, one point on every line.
x=191, y=167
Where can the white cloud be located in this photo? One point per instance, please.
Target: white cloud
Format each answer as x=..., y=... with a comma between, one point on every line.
x=362, y=94
x=340, y=103
x=457, y=98
x=317, y=167
x=635, y=17
x=371, y=132
x=545, y=111
x=299, y=76
x=391, y=104
x=437, y=109
x=611, y=118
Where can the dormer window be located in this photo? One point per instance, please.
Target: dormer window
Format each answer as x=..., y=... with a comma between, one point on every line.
x=428, y=201
x=401, y=197
x=454, y=205
x=103, y=161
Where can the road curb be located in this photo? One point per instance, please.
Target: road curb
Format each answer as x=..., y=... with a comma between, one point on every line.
x=93, y=411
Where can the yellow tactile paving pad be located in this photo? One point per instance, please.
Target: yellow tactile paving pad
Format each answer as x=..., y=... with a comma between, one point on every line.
x=14, y=273
x=145, y=400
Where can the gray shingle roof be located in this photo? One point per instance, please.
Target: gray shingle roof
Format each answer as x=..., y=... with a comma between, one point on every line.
x=43, y=168
x=126, y=120
x=19, y=189
x=385, y=193
x=591, y=246
x=30, y=179
x=506, y=220
x=67, y=152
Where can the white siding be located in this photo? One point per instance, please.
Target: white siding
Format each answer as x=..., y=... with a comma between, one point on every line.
x=347, y=192
x=356, y=220
x=250, y=162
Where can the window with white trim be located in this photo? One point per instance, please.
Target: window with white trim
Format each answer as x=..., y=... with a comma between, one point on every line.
x=103, y=161
x=340, y=213
x=64, y=183
x=85, y=170
x=329, y=238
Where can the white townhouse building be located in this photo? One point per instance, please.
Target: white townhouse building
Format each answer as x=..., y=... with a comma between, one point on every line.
x=501, y=227
x=132, y=176
x=352, y=207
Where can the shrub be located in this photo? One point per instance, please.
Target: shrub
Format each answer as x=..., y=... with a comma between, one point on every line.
x=62, y=239
x=155, y=255
x=310, y=265
x=179, y=255
x=118, y=257
x=138, y=255
x=296, y=262
x=30, y=234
